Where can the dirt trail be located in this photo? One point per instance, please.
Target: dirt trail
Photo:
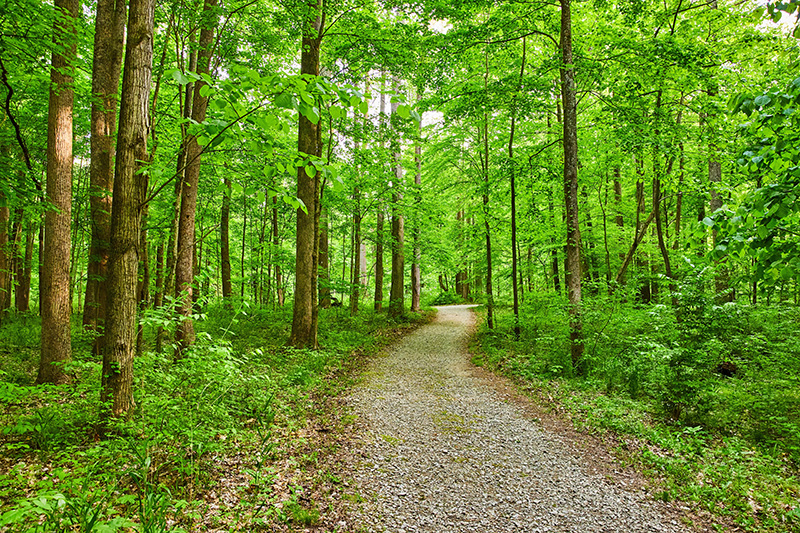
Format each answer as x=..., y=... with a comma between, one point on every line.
x=443, y=452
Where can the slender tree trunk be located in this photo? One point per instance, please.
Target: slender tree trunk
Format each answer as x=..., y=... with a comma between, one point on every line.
x=130, y=188
x=225, y=246
x=573, y=247
x=512, y=169
x=5, y=257
x=24, y=268
x=184, y=263
x=158, y=298
x=416, y=274
x=279, y=293
x=486, y=226
x=143, y=286
x=645, y=294
x=356, y=282
x=397, y=293
x=55, y=302
x=379, y=270
x=244, y=246
x=324, y=262
x=108, y=47
x=304, y=333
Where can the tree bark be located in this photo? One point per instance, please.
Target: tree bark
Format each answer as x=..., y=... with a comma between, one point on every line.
x=5, y=257
x=379, y=270
x=304, y=333
x=512, y=169
x=108, y=48
x=486, y=226
x=397, y=293
x=279, y=293
x=573, y=248
x=324, y=262
x=130, y=188
x=225, y=247
x=55, y=301
x=416, y=274
x=355, y=291
x=184, y=263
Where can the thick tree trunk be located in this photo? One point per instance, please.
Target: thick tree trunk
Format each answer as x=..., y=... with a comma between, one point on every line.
x=184, y=263
x=304, y=333
x=225, y=246
x=108, y=47
x=573, y=247
x=129, y=191
x=55, y=301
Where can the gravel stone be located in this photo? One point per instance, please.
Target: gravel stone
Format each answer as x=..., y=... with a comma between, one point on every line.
x=442, y=452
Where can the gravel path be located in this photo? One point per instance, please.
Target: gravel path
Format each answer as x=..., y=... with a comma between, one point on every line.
x=441, y=452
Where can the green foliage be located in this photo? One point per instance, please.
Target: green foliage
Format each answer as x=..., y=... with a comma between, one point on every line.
x=710, y=390
x=237, y=390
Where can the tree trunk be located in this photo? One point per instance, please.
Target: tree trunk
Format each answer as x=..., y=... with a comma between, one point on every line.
x=573, y=247
x=5, y=257
x=130, y=188
x=108, y=47
x=397, y=293
x=244, y=246
x=279, y=294
x=55, y=302
x=512, y=169
x=304, y=333
x=416, y=274
x=486, y=226
x=356, y=282
x=324, y=262
x=379, y=271
x=184, y=263
x=225, y=247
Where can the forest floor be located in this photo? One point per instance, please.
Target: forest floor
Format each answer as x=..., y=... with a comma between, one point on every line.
x=441, y=445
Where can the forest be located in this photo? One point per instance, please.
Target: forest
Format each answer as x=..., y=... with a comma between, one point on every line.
x=212, y=212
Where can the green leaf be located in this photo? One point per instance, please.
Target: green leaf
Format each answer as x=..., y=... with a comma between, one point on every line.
x=708, y=222
x=285, y=101
x=206, y=91
x=762, y=100
x=364, y=107
x=336, y=112
x=404, y=111
x=787, y=272
x=310, y=112
x=762, y=232
x=237, y=188
x=311, y=170
x=184, y=77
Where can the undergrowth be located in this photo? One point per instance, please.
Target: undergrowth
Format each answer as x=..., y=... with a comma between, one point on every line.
x=205, y=444
x=709, y=393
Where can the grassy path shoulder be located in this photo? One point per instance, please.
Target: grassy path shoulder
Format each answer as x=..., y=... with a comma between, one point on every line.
x=721, y=479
